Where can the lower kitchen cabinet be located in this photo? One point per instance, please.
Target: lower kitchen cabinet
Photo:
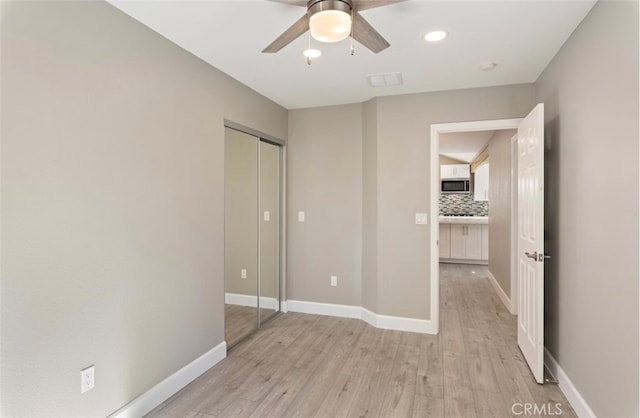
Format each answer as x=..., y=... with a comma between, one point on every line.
x=464, y=242
x=444, y=241
x=485, y=242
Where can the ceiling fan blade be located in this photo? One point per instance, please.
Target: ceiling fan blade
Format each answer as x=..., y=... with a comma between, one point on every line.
x=364, y=33
x=302, y=3
x=289, y=35
x=372, y=4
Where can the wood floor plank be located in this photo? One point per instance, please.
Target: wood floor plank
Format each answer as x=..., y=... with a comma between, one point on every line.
x=430, y=373
x=425, y=406
x=367, y=399
x=401, y=388
x=353, y=375
x=491, y=404
x=301, y=365
x=481, y=374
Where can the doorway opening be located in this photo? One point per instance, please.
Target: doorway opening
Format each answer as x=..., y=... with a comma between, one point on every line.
x=438, y=130
x=528, y=252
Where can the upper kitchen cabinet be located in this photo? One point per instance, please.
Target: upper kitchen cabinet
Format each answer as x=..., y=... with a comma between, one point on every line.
x=481, y=183
x=455, y=171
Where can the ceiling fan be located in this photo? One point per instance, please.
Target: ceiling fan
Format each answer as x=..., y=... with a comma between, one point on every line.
x=333, y=21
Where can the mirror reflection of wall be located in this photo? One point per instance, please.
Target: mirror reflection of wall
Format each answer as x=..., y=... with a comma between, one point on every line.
x=252, y=233
x=241, y=234
x=269, y=230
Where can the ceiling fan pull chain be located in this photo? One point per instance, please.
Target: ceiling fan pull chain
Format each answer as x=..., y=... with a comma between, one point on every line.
x=352, y=48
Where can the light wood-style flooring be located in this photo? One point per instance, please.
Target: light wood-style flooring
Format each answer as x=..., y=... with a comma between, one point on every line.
x=239, y=321
x=303, y=365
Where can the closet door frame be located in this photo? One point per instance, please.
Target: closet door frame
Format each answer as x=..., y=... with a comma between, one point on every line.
x=262, y=137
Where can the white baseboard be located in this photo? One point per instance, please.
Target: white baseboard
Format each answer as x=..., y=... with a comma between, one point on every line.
x=422, y=326
x=152, y=398
x=397, y=323
x=284, y=308
x=250, y=300
x=576, y=400
x=342, y=311
x=503, y=296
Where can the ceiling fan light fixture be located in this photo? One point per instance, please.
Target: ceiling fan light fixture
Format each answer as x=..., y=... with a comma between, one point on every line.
x=330, y=26
x=435, y=36
x=312, y=53
x=330, y=20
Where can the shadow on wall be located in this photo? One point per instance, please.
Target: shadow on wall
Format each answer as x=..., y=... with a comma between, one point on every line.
x=551, y=232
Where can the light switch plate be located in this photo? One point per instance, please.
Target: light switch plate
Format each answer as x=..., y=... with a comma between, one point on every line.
x=421, y=218
x=300, y=216
x=267, y=216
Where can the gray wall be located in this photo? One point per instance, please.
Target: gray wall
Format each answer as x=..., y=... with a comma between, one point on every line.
x=370, y=205
x=112, y=205
x=590, y=91
x=376, y=153
x=403, y=183
x=500, y=208
x=241, y=212
x=324, y=162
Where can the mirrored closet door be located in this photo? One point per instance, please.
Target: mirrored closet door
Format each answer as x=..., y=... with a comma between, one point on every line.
x=252, y=233
x=269, y=255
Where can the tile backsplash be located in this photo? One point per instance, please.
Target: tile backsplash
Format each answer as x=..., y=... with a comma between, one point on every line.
x=462, y=204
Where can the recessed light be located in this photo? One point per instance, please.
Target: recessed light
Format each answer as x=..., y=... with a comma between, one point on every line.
x=490, y=66
x=435, y=36
x=312, y=53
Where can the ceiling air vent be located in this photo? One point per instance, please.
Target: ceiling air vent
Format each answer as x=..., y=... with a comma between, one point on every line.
x=388, y=79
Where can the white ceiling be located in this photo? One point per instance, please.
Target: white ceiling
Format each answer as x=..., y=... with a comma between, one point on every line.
x=464, y=146
x=522, y=36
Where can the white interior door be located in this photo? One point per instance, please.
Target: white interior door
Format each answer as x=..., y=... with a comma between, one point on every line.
x=531, y=240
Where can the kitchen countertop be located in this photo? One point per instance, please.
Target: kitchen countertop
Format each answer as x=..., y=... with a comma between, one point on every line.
x=473, y=220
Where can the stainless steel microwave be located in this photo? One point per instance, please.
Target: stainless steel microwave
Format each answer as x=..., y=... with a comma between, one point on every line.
x=454, y=186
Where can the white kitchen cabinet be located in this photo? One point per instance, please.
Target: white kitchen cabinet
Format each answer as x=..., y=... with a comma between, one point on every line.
x=473, y=249
x=485, y=242
x=481, y=183
x=457, y=241
x=455, y=171
x=466, y=242
x=444, y=241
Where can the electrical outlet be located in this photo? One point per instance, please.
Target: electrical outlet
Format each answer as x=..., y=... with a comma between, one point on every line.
x=243, y=273
x=87, y=378
x=300, y=216
x=334, y=280
x=267, y=216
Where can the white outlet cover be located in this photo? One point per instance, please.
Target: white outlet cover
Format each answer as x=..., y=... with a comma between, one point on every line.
x=421, y=218
x=243, y=273
x=334, y=280
x=300, y=216
x=87, y=378
x=267, y=216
